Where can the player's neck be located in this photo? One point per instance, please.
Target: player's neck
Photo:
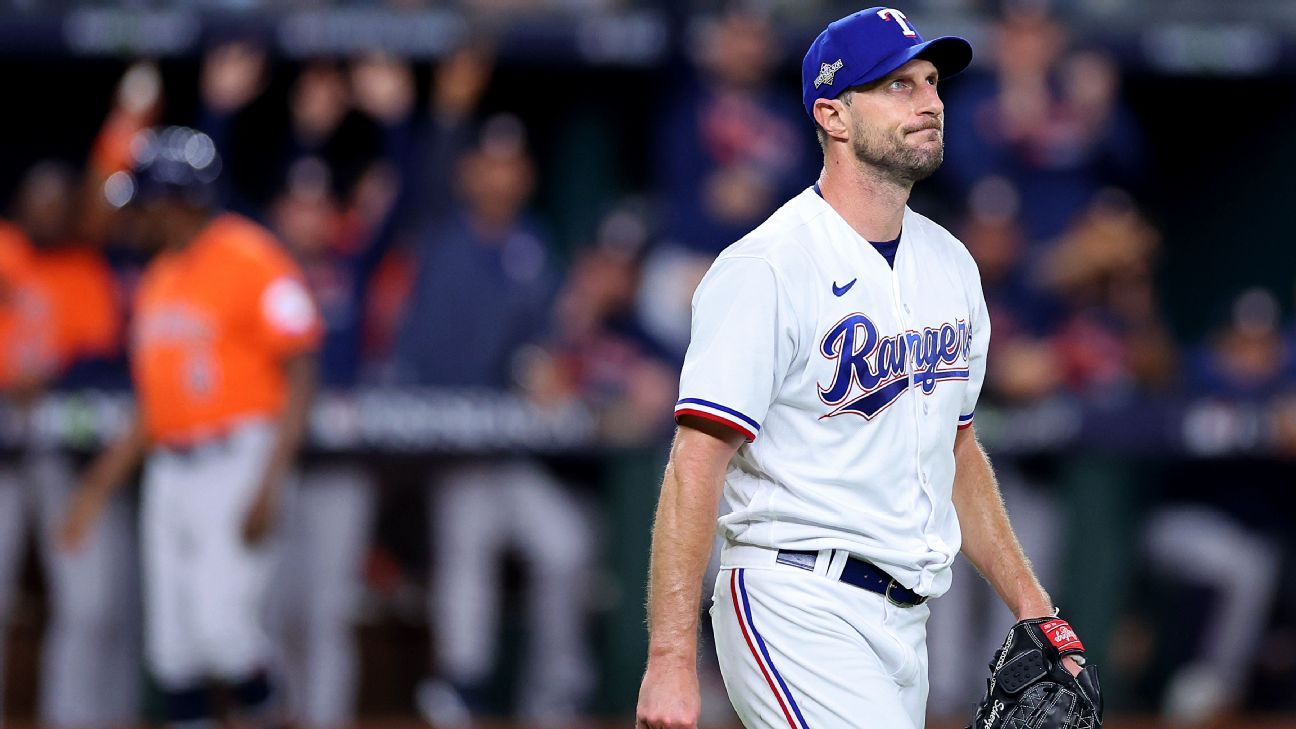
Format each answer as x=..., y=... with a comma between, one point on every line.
x=870, y=203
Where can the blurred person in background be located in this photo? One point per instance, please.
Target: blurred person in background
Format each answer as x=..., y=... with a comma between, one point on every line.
x=604, y=355
x=1283, y=413
x=1048, y=118
x=264, y=135
x=481, y=296
x=731, y=145
x=24, y=365
x=1223, y=537
x=1023, y=370
x=599, y=353
x=337, y=231
x=1113, y=341
x=58, y=320
x=221, y=353
x=731, y=148
x=325, y=121
x=1248, y=360
x=61, y=328
x=30, y=359
x=233, y=76
x=421, y=152
x=328, y=528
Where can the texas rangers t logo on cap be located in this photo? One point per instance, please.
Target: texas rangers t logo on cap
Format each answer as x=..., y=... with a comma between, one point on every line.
x=826, y=73
x=898, y=17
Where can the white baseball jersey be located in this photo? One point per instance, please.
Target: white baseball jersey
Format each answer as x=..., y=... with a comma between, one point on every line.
x=850, y=381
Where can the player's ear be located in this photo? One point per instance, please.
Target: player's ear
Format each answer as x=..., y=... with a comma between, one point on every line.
x=831, y=115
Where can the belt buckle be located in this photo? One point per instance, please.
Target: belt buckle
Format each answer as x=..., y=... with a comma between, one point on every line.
x=896, y=602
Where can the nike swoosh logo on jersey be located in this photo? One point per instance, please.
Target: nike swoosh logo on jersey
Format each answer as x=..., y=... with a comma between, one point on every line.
x=841, y=290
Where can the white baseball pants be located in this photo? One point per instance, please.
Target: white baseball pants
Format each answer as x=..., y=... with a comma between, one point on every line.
x=318, y=589
x=204, y=588
x=89, y=664
x=478, y=511
x=801, y=650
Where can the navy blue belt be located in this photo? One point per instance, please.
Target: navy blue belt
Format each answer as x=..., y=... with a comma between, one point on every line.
x=860, y=573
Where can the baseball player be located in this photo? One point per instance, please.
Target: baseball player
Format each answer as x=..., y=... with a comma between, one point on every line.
x=59, y=320
x=221, y=347
x=836, y=356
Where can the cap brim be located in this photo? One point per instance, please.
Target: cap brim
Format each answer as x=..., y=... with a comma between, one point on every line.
x=949, y=54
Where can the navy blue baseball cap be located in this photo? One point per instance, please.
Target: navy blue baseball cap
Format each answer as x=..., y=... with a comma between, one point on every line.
x=168, y=162
x=865, y=46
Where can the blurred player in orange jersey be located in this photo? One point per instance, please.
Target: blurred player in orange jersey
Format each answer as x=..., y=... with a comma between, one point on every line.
x=84, y=318
x=58, y=313
x=24, y=363
x=27, y=355
x=222, y=349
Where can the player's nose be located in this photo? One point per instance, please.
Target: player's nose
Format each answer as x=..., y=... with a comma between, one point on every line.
x=929, y=101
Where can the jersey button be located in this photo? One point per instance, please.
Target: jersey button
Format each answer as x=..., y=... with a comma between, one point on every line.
x=925, y=408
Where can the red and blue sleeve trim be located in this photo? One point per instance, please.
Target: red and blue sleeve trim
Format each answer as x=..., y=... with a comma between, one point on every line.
x=965, y=421
x=718, y=413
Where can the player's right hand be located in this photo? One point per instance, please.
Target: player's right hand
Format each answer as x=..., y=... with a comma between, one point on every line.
x=669, y=697
x=261, y=517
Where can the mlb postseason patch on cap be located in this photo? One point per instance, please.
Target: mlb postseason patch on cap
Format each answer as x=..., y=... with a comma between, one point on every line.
x=865, y=46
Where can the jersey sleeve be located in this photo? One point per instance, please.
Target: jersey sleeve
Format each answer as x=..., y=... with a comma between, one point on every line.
x=284, y=316
x=978, y=345
x=288, y=321
x=741, y=346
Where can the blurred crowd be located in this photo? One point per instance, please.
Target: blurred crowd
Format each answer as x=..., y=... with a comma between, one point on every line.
x=413, y=215
x=495, y=6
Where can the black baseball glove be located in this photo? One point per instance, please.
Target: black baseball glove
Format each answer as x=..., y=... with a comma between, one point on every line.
x=1030, y=688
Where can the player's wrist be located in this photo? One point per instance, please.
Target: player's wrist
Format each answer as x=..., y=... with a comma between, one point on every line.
x=673, y=656
x=1036, y=606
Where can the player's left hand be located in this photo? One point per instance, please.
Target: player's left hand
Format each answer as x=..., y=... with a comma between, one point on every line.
x=1034, y=676
x=1070, y=662
x=262, y=515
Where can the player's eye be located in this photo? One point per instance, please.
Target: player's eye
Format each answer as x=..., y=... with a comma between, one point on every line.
x=898, y=84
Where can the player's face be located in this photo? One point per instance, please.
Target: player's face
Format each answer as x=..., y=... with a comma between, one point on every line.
x=44, y=205
x=899, y=123
x=497, y=183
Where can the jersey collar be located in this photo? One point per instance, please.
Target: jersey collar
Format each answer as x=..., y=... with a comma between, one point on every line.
x=815, y=195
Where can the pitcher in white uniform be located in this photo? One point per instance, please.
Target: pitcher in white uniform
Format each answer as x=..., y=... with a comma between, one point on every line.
x=836, y=356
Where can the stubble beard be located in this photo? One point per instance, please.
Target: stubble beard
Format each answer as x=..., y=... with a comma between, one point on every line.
x=894, y=159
